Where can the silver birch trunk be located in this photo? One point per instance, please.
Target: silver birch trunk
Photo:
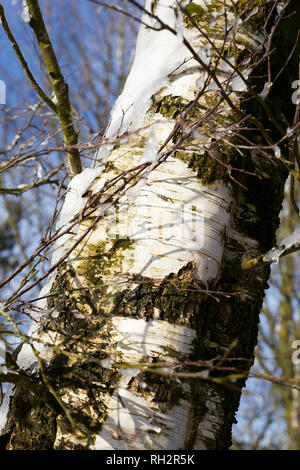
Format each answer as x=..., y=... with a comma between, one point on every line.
x=158, y=284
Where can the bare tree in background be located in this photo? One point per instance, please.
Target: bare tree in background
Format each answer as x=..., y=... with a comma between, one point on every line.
x=144, y=334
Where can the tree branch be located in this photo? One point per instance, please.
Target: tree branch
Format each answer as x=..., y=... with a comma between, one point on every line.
x=23, y=62
x=59, y=86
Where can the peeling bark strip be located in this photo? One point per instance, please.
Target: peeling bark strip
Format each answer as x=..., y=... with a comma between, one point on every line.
x=131, y=310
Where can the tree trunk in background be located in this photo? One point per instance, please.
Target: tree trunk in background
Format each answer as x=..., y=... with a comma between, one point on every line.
x=141, y=297
x=281, y=331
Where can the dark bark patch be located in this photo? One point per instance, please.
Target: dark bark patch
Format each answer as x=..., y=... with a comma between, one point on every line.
x=31, y=424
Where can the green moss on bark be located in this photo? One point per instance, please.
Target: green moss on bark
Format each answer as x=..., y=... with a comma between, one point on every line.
x=207, y=169
x=102, y=259
x=172, y=107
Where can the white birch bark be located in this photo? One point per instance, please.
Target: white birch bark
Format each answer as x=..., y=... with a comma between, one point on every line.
x=171, y=219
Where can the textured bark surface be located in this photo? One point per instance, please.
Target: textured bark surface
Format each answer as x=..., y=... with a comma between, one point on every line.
x=140, y=300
